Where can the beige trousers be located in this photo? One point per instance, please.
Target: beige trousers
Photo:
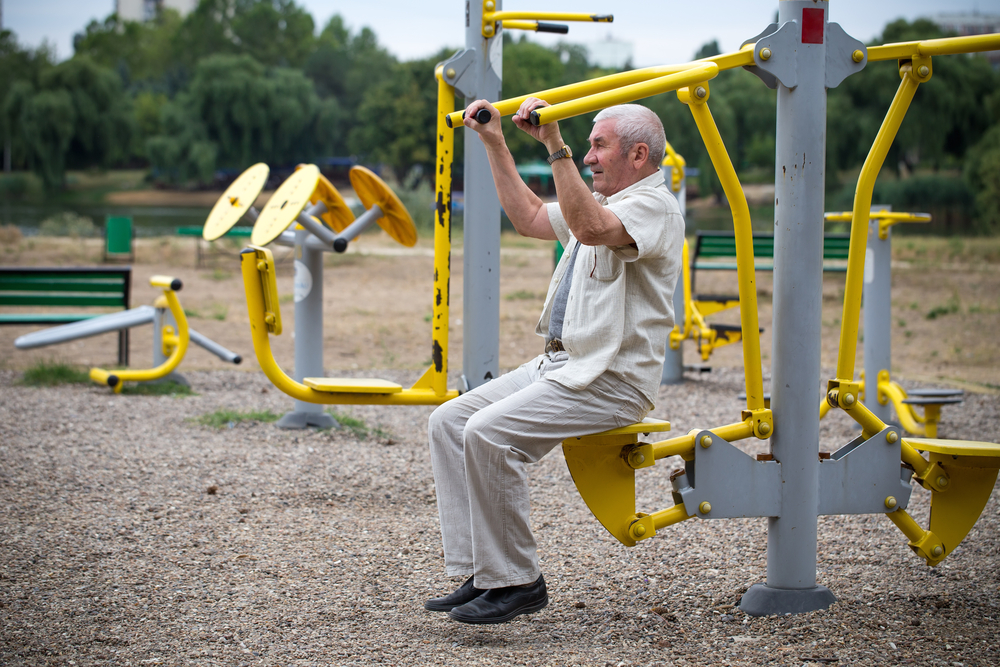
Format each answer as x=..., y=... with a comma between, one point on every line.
x=480, y=443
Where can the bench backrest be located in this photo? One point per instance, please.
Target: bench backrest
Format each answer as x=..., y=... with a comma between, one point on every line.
x=86, y=286
x=723, y=244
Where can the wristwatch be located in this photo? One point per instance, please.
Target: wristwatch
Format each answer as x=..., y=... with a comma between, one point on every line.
x=565, y=151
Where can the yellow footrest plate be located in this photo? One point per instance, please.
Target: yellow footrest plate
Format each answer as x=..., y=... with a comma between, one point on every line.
x=956, y=447
x=352, y=385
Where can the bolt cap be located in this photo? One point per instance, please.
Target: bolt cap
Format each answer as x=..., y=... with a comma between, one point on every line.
x=937, y=551
x=923, y=70
x=890, y=502
x=489, y=6
x=857, y=56
x=638, y=530
x=942, y=481
x=706, y=441
x=700, y=92
x=450, y=73
x=765, y=53
x=764, y=428
x=891, y=437
x=848, y=399
x=705, y=507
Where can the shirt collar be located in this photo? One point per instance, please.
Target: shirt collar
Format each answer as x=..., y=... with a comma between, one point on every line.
x=651, y=181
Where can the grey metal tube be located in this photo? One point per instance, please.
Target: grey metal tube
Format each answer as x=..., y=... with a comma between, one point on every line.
x=797, y=323
x=364, y=221
x=213, y=347
x=481, y=235
x=877, y=304
x=86, y=328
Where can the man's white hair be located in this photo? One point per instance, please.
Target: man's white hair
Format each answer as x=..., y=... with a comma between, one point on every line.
x=635, y=124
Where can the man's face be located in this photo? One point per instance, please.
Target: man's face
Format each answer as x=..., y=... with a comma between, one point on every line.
x=612, y=171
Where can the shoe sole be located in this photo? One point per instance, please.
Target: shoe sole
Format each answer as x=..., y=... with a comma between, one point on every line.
x=527, y=609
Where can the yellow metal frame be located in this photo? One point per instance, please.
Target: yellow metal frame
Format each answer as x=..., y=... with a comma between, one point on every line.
x=175, y=343
x=694, y=325
x=491, y=17
x=676, y=162
x=886, y=219
x=257, y=266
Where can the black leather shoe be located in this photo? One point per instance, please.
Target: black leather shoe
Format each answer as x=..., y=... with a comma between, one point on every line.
x=499, y=605
x=466, y=593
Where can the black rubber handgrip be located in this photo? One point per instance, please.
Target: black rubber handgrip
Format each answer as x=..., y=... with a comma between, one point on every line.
x=557, y=28
x=482, y=116
x=535, y=120
x=176, y=284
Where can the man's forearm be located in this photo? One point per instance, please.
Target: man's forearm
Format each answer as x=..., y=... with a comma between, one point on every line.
x=520, y=204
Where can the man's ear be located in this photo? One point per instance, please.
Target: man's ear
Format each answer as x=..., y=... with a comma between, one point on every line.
x=640, y=156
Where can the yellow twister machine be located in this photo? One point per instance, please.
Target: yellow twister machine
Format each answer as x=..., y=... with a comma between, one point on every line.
x=175, y=343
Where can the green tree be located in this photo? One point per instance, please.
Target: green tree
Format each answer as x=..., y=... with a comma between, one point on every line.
x=45, y=121
x=140, y=52
x=17, y=65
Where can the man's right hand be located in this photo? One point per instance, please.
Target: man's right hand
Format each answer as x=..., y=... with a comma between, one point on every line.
x=546, y=134
x=490, y=132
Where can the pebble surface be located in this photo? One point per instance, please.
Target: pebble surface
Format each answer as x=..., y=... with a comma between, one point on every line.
x=132, y=535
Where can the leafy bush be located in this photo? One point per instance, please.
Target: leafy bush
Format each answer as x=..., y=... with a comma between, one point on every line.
x=69, y=224
x=946, y=197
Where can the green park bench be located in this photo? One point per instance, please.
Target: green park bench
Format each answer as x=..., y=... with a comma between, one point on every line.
x=85, y=287
x=203, y=248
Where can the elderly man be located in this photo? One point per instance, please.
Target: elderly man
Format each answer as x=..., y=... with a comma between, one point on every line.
x=606, y=318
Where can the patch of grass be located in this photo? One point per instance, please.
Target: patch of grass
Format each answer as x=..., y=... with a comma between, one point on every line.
x=52, y=373
x=523, y=295
x=358, y=427
x=949, y=308
x=192, y=313
x=166, y=388
x=229, y=418
x=219, y=274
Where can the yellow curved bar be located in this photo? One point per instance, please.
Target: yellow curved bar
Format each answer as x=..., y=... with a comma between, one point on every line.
x=744, y=244
x=683, y=445
x=262, y=348
x=935, y=47
x=905, y=412
x=624, y=94
x=180, y=340
x=859, y=229
x=444, y=157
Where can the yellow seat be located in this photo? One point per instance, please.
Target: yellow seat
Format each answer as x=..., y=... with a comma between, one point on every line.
x=352, y=385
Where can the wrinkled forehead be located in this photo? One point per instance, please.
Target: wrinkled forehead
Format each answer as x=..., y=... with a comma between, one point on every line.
x=604, y=132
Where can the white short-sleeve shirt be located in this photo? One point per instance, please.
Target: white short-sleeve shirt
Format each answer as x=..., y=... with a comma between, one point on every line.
x=620, y=307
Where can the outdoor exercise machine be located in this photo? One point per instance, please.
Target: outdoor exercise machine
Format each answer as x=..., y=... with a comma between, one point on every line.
x=171, y=335
x=802, y=55
x=308, y=200
x=877, y=317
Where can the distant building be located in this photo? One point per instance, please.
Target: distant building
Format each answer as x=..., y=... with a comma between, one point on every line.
x=971, y=24
x=145, y=10
x=610, y=53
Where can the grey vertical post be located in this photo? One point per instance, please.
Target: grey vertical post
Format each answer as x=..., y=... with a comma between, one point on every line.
x=481, y=245
x=308, y=331
x=798, y=288
x=673, y=361
x=877, y=314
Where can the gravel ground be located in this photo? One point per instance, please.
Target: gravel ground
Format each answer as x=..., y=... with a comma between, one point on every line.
x=131, y=535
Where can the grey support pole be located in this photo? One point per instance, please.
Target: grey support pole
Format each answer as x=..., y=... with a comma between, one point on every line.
x=877, y=314
x=796, y=55
x=673, y=361
x=308, y=331
x=481, y=245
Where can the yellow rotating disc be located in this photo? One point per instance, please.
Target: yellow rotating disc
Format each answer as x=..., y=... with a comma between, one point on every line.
x=395, y=220
x=285, y=205
x=235, y=201
x=338, y=214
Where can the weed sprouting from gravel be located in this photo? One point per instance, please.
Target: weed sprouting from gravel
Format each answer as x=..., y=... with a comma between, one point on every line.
x=229, y=418
x=167, y=388
x=51, y=373
x=358, y=427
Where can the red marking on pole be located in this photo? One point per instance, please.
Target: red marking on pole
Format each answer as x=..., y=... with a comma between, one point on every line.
x=812, y=25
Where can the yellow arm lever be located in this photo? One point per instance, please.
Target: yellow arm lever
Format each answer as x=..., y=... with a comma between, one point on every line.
x=862, y=209
x=697, y=103
x=180, y=339
x=935, y=47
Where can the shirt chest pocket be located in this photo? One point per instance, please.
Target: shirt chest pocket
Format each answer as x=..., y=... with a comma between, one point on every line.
x=602, y=264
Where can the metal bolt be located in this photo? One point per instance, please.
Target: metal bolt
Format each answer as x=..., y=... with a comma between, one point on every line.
x=269, y=318
x=700, y=92
x=942, y=481
x=765, y=53
x=261, y=265
x=764, y=428
x=890, y=502
x=891, y=437
x=450, y=72
x=489, y=6
x=924, y=70
x=848, y=399
x=937, y=551
x=857, y=56
x=488, y=30
x=705, y=507
x=706, y=441
x=638, y=530
x=636, y=459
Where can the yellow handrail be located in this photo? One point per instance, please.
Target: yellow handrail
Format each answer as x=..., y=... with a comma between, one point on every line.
x=862, y=209
x=935, y=47
x=624, y=94
x=696, y=102
x=177, y=341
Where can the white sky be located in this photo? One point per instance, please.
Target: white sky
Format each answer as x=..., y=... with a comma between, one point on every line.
x=662, y=31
